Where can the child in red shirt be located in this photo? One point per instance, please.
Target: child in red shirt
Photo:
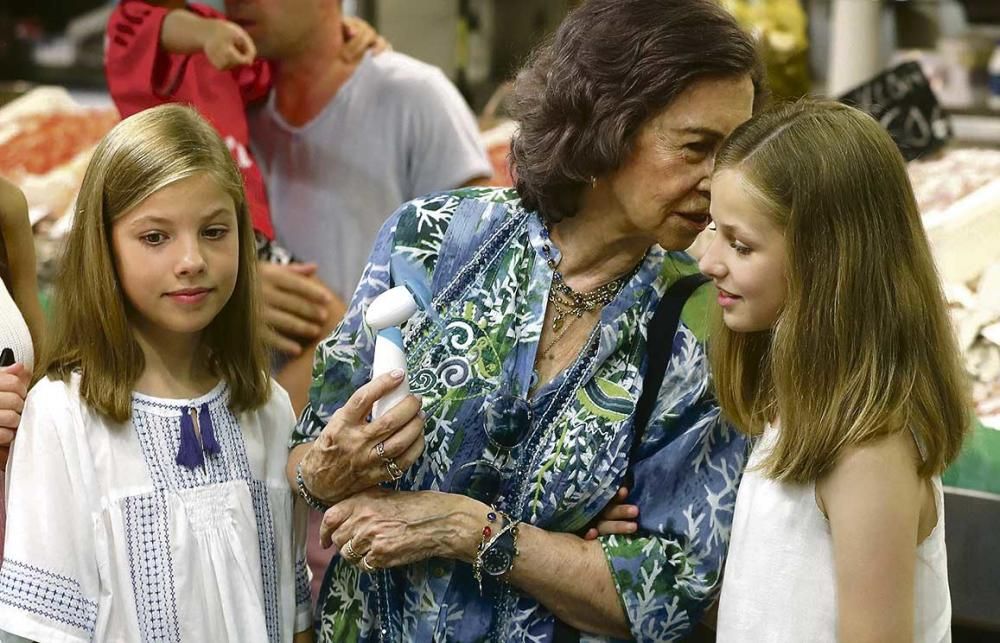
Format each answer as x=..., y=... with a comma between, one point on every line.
x=172, y=52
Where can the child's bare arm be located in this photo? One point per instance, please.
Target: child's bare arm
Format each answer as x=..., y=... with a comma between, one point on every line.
x=20, y=246
x=226, y=44
x=616, y=518
x=873, y=500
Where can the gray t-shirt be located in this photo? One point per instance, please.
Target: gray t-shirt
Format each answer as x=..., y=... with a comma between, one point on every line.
x=396, y=130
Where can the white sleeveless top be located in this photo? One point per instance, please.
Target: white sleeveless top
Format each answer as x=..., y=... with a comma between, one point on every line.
x=13, y=331
x=779, y=583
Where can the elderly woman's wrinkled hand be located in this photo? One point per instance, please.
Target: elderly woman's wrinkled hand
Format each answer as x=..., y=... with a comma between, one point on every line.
x=382, y=528
x=352, y=454
x=13, y=389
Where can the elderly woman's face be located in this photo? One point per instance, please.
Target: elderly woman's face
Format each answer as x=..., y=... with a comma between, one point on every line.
x=663, y=188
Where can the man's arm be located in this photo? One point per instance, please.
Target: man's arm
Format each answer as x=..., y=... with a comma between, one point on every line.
x=296, y=305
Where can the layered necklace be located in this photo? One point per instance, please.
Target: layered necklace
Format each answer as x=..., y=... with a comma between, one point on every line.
x=568, y=304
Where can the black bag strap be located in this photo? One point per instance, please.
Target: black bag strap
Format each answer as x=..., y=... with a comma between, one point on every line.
x=659, y=346
x=659, y=343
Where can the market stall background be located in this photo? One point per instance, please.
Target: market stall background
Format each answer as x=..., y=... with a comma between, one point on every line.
x=50, y=124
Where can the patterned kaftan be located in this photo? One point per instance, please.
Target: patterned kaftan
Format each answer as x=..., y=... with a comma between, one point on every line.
x=480, y=253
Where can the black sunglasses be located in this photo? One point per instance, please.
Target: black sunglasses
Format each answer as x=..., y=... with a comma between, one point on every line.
x=507, y=422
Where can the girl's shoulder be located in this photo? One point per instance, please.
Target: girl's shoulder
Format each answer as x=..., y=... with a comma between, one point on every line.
x=55, y=392
x=883, y=470
x=276, y=410
x=55, y=405
x=279, y=404
x=896, y=452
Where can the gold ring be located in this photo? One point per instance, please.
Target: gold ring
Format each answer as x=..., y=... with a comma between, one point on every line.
x=395, y=473
x=365, y=565
x=350, y=554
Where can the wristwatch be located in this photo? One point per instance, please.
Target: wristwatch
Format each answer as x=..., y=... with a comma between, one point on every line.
x=497, y=557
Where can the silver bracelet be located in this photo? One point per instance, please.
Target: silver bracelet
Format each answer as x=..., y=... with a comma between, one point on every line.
x=310, y=499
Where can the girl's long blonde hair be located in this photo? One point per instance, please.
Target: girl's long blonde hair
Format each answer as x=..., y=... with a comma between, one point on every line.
x=91, y=333
x=863, y=347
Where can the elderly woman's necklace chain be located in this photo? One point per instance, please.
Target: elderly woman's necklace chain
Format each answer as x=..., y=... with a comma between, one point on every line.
x=570, y=304
x=567, y=301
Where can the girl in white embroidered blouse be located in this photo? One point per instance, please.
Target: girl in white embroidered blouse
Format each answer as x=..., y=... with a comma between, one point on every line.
x=835, y=352
x=148, y=500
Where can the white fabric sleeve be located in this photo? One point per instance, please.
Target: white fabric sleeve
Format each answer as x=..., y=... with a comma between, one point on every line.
x=445, y=151
x=49, y=580
x=303, y=577
x=285, y=422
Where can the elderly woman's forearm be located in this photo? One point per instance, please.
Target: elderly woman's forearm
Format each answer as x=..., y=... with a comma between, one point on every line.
x=571, y=577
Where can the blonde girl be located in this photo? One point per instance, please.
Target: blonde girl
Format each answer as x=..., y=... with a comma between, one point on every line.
x=837, y=356
x=147, y=495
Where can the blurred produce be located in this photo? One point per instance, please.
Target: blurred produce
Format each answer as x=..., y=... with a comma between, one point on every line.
x=781, y=30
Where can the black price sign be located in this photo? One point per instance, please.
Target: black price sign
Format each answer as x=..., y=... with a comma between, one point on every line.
x=901, y=100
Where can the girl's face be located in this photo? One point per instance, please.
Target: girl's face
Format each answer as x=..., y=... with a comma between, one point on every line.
x=746, y=258
x=177, y=257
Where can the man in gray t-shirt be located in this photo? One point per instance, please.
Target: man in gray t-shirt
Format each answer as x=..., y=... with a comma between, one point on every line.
x=395, y=130
x=342, y=145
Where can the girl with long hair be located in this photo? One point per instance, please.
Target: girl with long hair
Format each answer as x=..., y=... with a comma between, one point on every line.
x=836, y=355
x=148, y=499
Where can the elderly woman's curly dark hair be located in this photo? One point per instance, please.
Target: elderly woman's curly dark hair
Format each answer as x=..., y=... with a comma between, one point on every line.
x=612, y=65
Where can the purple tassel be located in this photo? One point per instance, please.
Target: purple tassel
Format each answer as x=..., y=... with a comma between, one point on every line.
x=189, y=453
x=207, y=431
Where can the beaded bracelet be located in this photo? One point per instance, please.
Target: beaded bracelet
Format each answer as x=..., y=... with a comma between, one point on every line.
x=310, y=499
x=477, y=565
x=489, y=538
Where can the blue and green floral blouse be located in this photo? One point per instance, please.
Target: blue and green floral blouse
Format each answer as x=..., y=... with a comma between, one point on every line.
x=481, y=255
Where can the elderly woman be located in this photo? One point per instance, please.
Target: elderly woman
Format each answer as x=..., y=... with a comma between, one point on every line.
x=529, y=366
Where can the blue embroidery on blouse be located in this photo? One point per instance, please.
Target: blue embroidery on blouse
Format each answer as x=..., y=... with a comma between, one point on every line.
x=302, y=592
x=268, y=558
x=157, y=426
x=57, y=598
x=151, y=567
